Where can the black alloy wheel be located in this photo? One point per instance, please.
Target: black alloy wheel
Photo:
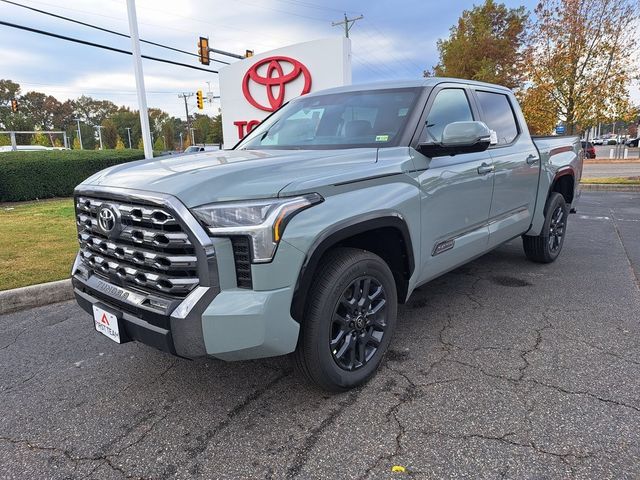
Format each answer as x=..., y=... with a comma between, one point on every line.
x=349, y=318
x=556, y=229
x=359, y=323
x=546, y=247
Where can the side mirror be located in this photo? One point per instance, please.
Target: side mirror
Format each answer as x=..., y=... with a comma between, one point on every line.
x=457, y=138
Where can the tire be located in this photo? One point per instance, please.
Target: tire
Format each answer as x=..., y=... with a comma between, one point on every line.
x=546, y=247
x=344, y=335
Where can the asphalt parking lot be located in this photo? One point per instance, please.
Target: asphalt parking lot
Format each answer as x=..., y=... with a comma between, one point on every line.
x=500, y=369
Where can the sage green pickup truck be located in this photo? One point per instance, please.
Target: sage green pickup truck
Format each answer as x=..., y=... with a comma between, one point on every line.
x=305, y=237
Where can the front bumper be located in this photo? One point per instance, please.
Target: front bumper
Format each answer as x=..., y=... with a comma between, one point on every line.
x=233, y=324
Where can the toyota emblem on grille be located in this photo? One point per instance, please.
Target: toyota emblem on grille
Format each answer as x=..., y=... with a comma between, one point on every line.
x=108, y=220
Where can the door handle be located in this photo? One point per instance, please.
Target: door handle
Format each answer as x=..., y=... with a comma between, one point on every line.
x=532, y=159
x=485, y=168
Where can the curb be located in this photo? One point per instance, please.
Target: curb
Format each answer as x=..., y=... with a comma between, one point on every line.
x=609, y=187
x=35, y=296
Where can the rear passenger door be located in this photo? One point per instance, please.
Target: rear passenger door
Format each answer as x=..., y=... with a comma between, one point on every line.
x=517, y=166
x=455, y=190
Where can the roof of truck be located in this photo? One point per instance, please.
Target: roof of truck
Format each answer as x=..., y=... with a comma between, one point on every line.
x=424, y=82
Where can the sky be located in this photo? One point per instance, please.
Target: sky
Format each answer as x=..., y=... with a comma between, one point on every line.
x=395, y=40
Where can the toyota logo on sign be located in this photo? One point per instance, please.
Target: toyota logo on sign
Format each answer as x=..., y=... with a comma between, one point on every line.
x=279, y=72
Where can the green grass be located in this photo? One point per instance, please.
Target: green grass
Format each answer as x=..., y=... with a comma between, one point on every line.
x=38, y=242
x=612, y=180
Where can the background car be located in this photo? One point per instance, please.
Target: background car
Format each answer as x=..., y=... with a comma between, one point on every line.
x=589, y=150
x=633, y=142
x=201, y=148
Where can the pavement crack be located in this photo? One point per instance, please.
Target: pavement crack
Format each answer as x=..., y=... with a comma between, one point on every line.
x=634, y=274
x=406, y=396
x=204, y=440
x=302, y=455
x=13, y=342
x=585, y=393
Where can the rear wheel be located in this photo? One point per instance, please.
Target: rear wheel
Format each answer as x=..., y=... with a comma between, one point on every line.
x=349, y=320
x=546, y=247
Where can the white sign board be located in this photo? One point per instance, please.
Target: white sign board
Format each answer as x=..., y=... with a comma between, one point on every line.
x=254, y=87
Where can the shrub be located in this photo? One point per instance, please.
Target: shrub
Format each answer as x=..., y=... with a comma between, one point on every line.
x=53, y=173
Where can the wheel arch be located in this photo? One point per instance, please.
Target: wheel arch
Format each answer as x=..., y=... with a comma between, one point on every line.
x=358, y=232
x=564, y=183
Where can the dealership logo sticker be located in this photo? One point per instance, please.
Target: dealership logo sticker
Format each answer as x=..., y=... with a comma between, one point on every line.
x=275, y=80
x=104, y=319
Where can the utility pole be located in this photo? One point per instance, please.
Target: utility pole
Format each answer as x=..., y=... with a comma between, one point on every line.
x=186, y=109
x=348, y=23
x=137, y=68
x=79, y=134
x=181, y=144
x=99, y=128
x=129, y=135
x=193, y=137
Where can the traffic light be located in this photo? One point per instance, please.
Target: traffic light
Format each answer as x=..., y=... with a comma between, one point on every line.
x=14, y=105
x=203, y=50
x=248, y=53
x=199, y=99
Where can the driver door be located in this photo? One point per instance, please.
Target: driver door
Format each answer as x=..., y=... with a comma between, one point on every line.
x=455, y=190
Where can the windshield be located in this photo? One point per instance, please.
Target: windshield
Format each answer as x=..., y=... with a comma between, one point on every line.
x=370, y=118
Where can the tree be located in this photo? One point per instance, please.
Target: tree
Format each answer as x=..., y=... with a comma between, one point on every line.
x=215, y=136
x=92, y=111
x=577, y=55
x=159, y=144
x=109, y=134
x=76, y=143
x=169, y=134
x=41, y=139
x=538, y=109
x=486, y=45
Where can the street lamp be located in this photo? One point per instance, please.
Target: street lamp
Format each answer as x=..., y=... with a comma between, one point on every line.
x=79, y=134
x=99, y=128
x=129, y=135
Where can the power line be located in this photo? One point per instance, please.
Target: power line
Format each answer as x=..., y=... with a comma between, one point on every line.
x=99, y=45
x=96, y=27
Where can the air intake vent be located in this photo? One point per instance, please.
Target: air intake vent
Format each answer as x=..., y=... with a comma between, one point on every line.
x=242, y=258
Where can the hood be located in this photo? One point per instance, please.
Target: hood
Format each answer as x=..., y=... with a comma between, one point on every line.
x=218, y=176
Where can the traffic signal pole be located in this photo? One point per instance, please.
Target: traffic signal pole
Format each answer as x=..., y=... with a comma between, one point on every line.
x=186, y=110
x=137, y=68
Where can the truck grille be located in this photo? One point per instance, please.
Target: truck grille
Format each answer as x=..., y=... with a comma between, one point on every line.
x=151, y=252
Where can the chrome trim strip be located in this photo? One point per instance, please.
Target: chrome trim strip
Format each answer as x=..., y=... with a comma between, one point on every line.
x=496, y=219
x=505, y=215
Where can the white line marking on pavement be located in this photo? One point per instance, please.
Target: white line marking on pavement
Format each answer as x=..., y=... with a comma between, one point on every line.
x=593, y=217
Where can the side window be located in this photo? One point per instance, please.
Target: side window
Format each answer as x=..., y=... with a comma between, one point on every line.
x=450, y=105
x=499, y=116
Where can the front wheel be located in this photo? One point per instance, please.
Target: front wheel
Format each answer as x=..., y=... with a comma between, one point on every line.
x=546, y=247
x=349, y=320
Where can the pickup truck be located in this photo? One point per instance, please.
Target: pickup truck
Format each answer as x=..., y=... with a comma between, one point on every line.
x=305, y=237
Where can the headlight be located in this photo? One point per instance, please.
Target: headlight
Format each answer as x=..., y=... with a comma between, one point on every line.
x=262, y=220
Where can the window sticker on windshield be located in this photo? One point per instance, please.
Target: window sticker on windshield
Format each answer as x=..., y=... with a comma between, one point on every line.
x=402, y=112
x=382, y=138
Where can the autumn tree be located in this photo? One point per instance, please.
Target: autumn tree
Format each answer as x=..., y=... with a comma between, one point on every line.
x=485, y=45
x=578, y=57
x=109, y=134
